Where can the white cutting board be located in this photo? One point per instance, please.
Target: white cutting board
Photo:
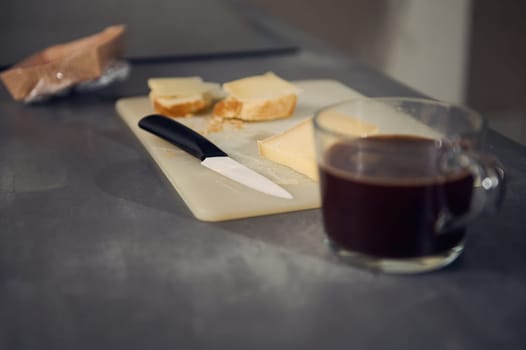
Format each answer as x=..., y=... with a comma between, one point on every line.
x=212, y=197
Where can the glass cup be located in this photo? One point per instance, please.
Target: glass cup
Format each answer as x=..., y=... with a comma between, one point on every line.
x=400, y=179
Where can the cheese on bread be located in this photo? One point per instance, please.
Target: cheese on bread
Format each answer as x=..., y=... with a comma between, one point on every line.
x=260, y=97
x=178, y=97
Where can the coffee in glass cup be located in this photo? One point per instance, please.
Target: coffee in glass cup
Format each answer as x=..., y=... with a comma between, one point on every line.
x=397, y=197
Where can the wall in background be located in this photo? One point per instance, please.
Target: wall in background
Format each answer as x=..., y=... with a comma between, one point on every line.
x=497, y=79
x=428, y=46
x=462, y=51
x=496, y=83
x=422, y=43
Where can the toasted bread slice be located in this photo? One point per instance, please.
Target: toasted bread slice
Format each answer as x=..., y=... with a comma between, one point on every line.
x=256, y=98
x=179, y=97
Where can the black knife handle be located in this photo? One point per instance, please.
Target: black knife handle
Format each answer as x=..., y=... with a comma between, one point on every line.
x=181, y=136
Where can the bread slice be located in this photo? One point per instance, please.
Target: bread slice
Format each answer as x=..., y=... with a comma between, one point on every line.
x=179, y=97
x=256, y=98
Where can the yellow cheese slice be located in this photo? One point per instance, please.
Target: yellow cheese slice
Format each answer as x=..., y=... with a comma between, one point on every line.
x=263, y=86
x=295, y=147
x=334, y=121
x=188, y=86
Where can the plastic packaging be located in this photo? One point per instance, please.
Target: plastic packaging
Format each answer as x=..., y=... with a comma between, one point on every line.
x=85, y=64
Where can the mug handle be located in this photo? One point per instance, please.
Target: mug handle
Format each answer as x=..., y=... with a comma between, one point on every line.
x=488, y=191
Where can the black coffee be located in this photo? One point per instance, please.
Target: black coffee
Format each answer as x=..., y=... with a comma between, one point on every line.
x=383, y=195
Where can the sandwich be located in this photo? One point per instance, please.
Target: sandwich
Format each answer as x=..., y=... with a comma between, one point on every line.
x=258, y=98
x=179, y=97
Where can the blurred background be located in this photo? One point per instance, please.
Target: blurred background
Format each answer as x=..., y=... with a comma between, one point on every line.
x=464, y=51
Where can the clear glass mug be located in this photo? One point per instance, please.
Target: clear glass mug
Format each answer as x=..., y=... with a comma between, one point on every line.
x=400, y=179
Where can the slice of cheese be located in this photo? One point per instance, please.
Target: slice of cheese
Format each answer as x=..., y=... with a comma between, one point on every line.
x=344, y=124
x=180, y=87
x=266, y=86
x=295, y=147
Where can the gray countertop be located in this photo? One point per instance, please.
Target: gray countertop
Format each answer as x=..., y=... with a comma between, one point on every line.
x=97, y=251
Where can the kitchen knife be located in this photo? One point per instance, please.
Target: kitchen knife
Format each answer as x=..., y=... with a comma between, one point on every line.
x=210, y=155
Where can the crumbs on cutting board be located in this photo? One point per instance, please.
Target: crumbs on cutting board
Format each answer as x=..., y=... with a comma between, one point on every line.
x=217, y=124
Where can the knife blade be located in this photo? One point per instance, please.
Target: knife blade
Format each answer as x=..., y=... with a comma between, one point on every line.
x=211, y=156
